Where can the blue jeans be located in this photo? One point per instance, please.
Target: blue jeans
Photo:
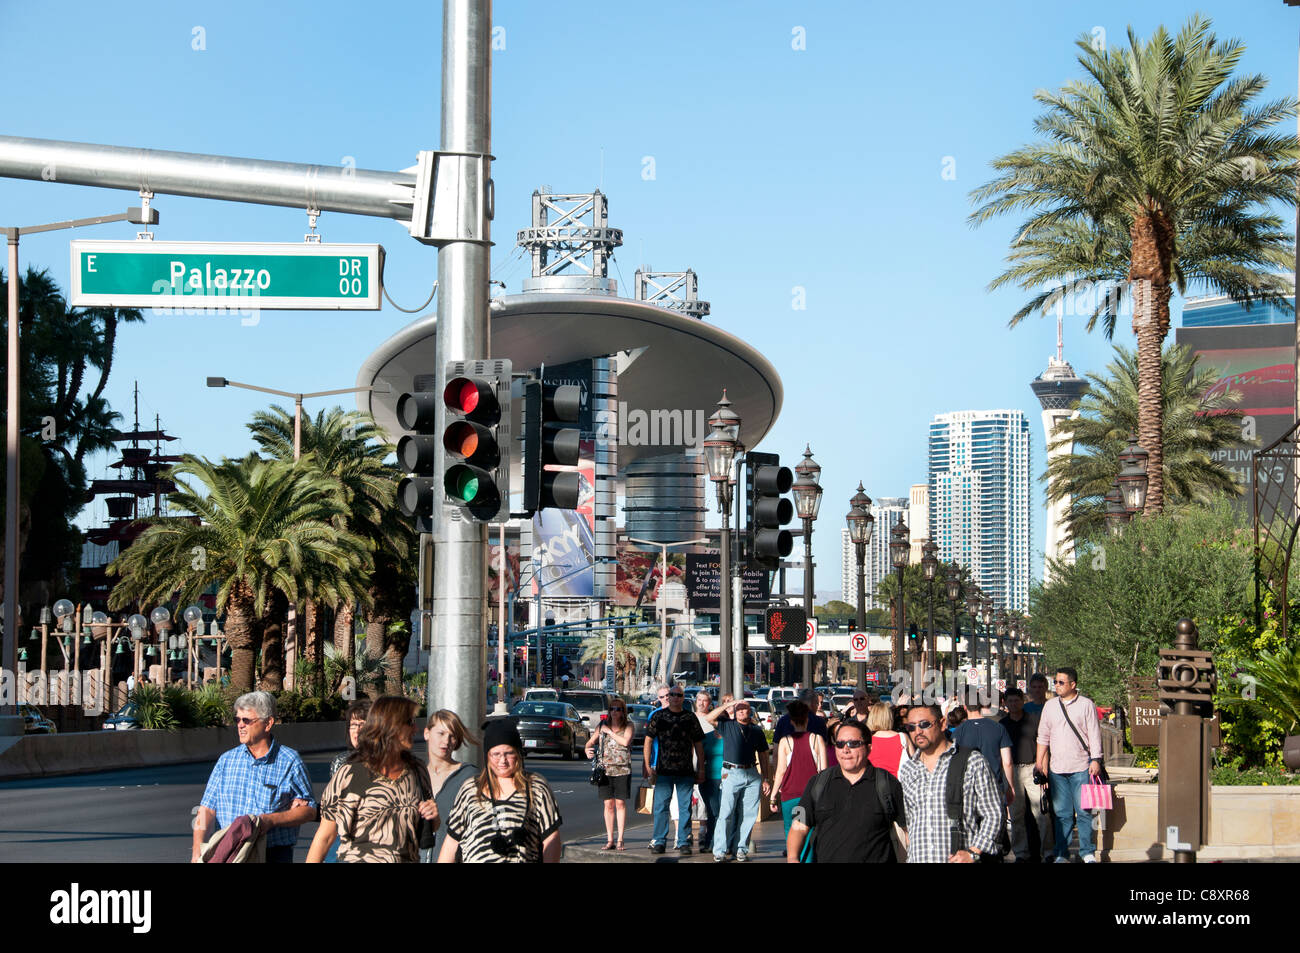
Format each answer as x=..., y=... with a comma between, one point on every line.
x=1067, y=804
x=741, y=790
x=711, y=796
x=664, y=785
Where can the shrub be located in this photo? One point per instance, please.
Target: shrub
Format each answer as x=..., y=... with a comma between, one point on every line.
x=152, y=709
x=183, y=707
x=288, y=706
x=213, y=706
x=1229, y=774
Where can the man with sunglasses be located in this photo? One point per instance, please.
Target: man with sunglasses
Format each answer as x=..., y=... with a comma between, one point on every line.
x=1069, y=752
x=680, y=741
x=958, y=823
x=851, y=807
x=261, y=778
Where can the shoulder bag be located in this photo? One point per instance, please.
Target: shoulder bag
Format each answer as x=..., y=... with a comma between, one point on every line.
x=598, y=776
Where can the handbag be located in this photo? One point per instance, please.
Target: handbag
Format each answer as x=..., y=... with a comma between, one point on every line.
x=598, y=775
x=645, y=795
x=1097, y=795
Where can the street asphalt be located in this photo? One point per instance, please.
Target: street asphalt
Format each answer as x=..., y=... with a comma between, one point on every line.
x=143, y=815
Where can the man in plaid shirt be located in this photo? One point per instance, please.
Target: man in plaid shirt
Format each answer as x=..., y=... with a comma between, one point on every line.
x=260, y=778
x=924, y=778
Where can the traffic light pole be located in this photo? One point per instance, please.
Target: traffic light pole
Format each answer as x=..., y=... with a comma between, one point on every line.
x=724, y=589
x=457, y=658
x=809, y=661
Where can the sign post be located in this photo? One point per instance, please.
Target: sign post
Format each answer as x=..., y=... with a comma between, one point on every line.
x=858, y=650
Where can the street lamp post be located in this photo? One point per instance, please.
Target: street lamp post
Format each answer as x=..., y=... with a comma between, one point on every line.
x=291, y=636
x=974, y=601
x=899, y=549
x=952, y=583
x=1002, y=628
x=10, y=724
x=986, y=616
x=719, y=451
x=807, y=493
x=663, y=607
x=1132, y=480
x=861, y=524
x=929, y=569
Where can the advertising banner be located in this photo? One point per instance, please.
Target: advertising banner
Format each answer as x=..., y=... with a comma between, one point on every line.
x=704, y=582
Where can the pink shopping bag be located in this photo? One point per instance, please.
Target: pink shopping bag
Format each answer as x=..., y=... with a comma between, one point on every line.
x=1097, y=796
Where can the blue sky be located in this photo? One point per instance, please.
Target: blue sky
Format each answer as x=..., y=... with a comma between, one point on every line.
x=775, y=168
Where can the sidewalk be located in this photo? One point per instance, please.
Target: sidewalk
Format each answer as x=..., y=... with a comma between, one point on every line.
x=768, y=837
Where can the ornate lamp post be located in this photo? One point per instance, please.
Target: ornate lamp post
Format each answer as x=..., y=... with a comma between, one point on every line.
x=861, y=525
x=929, y=569
x=986, y=616
x=1133, y=477
x=1001, y=630
x=719, y=454
x=952, y=583
x=807, y=493
x=1116, y=516
x=899, y=548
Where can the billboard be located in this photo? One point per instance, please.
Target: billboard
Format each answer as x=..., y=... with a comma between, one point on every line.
x=565, y=540
x=639, y=574
x=704, y=582
x=1258, y=361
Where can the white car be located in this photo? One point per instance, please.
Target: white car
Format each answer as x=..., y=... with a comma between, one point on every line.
x=767, y=713
x=541, y=695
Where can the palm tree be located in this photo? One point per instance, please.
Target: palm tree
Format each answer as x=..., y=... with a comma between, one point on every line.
x=632, y=643
x=1159, y=172
x=1198, y=421
x=261, y=525
x=351, y=449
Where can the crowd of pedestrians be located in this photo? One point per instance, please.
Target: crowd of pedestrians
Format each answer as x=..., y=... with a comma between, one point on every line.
x=877, y=783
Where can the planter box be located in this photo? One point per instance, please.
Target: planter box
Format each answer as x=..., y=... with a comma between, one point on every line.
x=1245, y=822
x=38, y=756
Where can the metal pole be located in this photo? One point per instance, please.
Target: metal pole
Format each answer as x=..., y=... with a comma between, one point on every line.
x=724, y=593
x=738, y=643
x=933, y=644
x=860, y=551
x=500, y=708
x=457, y=661
x=663, y=616
x=809, y=661
x=297, y=428
x=901, y=632
x=13, y=412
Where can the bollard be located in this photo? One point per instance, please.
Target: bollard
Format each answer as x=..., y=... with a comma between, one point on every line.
x=1188, y=734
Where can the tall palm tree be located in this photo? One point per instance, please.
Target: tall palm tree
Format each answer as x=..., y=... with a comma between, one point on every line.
x=1198, y=420
x=1161, y=171
x=351, y=449
x=262, y=525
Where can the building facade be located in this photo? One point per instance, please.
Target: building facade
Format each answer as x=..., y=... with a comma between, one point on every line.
x=979, y=513
x=888, y=510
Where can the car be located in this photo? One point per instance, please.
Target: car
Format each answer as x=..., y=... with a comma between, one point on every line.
x=592, y=706
x=35, y=723
x=768, y=713
x=551, y=727
x=638, y=715
x=762, y=694
x=781, y=691
x=841, y=703
x=127, y=718
x=541, y=695
x=693, y=690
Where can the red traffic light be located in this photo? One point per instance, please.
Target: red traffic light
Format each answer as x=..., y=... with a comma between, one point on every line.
x=473, y=398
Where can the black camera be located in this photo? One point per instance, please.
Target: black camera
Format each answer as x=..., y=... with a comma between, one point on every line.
x=1039, y=777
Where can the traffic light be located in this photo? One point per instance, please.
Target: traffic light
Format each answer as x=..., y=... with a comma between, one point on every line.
x=786, y=625
x=766, y=510
x=551, y=438
x=476, y=439
x=911, y=633
x=415, y=452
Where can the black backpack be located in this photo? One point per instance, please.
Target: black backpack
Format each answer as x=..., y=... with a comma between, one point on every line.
x=884, y=792
x=954, y=786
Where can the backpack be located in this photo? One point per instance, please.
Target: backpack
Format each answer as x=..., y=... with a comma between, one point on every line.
x=954, y=786
x=884, y=792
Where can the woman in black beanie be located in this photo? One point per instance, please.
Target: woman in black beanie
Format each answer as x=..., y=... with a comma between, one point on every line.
x=506, y=815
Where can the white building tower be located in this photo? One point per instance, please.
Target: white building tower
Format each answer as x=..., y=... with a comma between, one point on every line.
x=1058, y=389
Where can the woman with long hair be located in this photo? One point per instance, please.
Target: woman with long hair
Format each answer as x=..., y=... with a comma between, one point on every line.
x=445, y=734
x=888, y=747
x=612, y=744
x=377, y=800
x=506, y=815
x=799, y=756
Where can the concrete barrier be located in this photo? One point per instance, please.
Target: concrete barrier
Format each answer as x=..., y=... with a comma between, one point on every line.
x=36, y=756
x=1246, y=821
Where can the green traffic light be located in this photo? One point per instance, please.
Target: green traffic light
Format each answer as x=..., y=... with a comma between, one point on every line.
x=467, y=487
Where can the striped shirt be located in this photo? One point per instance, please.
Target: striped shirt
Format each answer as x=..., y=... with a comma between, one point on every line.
x=929, y=836
x=509, y=831
x=241, y=784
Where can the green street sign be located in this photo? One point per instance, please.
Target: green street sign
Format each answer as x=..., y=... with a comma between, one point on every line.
x=194, y=275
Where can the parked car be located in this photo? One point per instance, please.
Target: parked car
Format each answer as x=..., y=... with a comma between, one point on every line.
x=592, y=706
x=551, y=726
x=125, y=719
x=638, y=715
x=35, y=723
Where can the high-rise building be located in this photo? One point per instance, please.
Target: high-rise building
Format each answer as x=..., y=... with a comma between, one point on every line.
x=888, y=510
x=918, y=520
x=1058, y=389
x=980, y=499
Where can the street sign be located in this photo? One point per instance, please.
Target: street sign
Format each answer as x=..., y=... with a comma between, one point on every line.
x=1144, y=723
x=972, y=676
x=809, y=647
x=1002, y=684
x=1021, y=684
x=858, y=651
x=609, y=661
x=225, y=275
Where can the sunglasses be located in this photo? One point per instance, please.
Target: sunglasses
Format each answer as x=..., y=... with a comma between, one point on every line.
x=247, y=721
x=1062, y=681
x=849, y=743
x=911, y=726
x=676, y=694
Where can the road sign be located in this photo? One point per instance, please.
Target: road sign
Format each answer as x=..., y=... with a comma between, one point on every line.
x=1002, y=684
x=972, y=675
x=858, y=651
x=225, y=275
x=809, y=647
x=1020, y=684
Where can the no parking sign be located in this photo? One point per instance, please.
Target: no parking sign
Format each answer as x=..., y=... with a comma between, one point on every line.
x=810, y=646
x=858, y=651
